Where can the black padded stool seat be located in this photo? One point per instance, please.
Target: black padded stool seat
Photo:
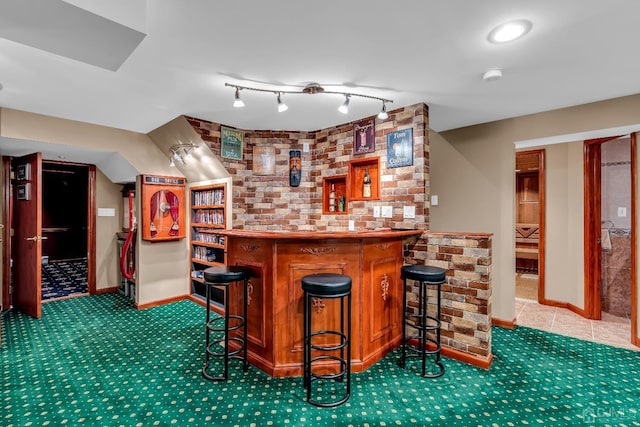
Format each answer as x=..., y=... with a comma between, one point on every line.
x=328, y=346
x=326, y=284
x=424, y=273
x=426, y=341
x=224, y=276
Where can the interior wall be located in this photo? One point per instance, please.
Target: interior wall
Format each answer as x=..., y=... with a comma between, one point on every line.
x=472, y=172
x=162, y=267
x=473, y=176
x=107, y=196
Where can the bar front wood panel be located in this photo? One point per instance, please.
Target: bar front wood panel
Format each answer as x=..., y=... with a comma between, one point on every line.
x=382, y=304
x=276, y=297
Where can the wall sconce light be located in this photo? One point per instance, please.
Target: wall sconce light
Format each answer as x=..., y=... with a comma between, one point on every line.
x=311, y=88
x=181, y=152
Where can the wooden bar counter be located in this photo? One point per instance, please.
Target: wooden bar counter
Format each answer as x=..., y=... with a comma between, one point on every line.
x=279, y=260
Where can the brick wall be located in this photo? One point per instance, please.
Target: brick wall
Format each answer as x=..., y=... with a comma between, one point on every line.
x=466, y=295
x=269, y=203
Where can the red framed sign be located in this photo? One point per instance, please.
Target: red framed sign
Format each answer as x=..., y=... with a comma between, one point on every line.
x=163, y=208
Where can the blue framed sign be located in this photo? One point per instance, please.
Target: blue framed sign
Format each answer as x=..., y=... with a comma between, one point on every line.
x=400, y=148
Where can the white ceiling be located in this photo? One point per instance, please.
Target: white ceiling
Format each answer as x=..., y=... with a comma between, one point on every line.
x=431, y=51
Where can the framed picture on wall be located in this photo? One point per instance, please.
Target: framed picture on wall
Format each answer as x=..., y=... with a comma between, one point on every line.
x=400, y=148
x=232, y=141
x=264, y=160
x=364, y=137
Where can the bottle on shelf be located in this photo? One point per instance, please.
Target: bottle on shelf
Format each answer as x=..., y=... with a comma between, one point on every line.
x=366, y=184
x=332, y=199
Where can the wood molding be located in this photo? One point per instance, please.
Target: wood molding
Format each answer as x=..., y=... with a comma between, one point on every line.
x=6, y=232
x=161, y=302
x=460, y=356
x=579, y=311
x=107, y=290
x=542, y=218
x=91, y=230
x=635, y=340
x=471, y=359
x=592, y=228
x=509, y=324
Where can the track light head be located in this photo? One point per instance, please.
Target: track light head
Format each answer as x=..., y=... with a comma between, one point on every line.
x=238, y=102
x=281, y=105
x=172, y=163
x=382, y=115
x=344, y=108
x=177, y=156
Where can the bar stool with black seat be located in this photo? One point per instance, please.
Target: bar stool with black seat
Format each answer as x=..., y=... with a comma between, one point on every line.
x=223, y=276
x=320, y=356
x=426, y=341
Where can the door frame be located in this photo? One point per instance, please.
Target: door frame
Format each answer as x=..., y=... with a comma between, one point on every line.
x=6, y=239
x=593, y=230
x=6, y=232
x=541, y=219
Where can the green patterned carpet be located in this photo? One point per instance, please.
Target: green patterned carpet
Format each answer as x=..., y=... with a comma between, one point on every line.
x=97, y=361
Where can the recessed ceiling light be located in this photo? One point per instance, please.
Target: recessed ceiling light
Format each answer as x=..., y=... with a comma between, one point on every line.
x=509, y=31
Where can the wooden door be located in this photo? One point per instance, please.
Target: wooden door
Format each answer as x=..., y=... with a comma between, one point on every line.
x=26, y=242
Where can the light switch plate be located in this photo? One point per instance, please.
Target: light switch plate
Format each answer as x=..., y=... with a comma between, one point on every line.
x=409, y=212
x=376, y=211
x=305, y=147
x=622, y=212
x=352, y=225
x=387, y=211
x=106, y=212
x=434, y=200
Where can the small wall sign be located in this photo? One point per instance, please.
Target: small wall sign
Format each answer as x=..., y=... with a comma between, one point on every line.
x=232, y=141
x=364, y=137
x=400, y=148
x=264, y=160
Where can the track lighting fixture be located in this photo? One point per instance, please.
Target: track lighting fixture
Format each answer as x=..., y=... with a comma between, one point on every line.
x=238, y=102
x=281, y=105
x=382, y=115
x=311, y=88
x=344, y=108
x=181, y=152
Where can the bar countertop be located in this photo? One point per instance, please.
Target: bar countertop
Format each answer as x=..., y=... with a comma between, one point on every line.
x=317, y=235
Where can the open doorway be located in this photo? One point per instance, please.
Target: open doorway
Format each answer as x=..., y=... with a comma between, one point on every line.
x=50, y=211
x=610, y=235
x=65, y=220
x=530, y=223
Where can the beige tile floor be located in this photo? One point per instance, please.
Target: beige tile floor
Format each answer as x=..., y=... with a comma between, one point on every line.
x=611, y=330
